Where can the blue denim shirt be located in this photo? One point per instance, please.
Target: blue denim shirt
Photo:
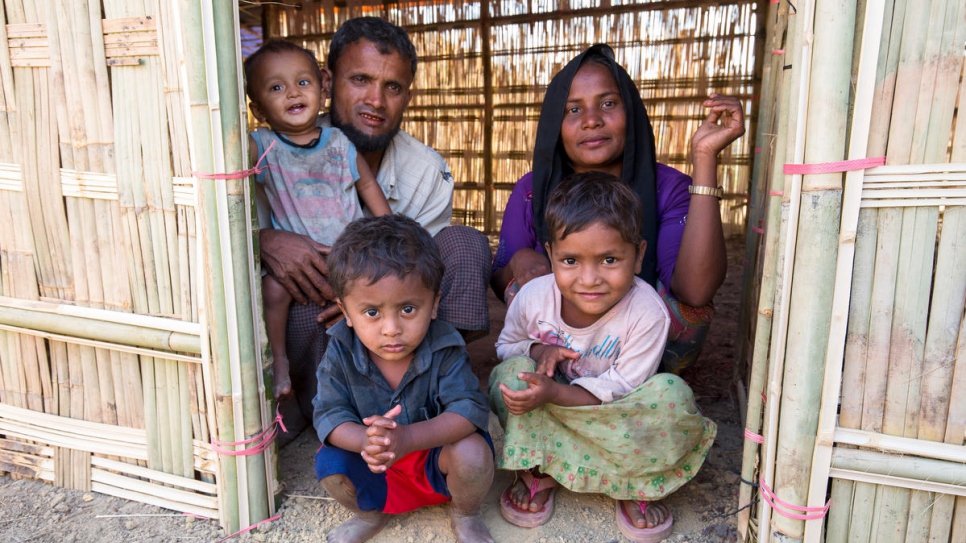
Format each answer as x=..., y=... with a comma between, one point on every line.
x=439, y=379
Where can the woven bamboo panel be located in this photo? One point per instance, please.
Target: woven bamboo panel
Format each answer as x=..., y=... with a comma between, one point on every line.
x=882, y=326
x=676, y=52
x=100, y=257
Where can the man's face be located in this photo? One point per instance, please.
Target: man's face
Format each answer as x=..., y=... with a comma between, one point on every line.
x=369, y=93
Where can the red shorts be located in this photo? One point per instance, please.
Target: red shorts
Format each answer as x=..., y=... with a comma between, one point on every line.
x=413, y=481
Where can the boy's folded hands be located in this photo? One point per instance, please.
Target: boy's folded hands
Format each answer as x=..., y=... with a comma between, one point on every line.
x=383, y=436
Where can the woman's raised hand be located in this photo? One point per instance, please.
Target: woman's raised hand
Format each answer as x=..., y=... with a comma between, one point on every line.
x=724, y=124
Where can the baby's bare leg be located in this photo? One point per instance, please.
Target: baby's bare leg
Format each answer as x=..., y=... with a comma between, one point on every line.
x=276, y=301
x=360, y=527
x=468, y=465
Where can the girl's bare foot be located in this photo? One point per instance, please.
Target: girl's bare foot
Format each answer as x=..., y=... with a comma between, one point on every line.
x=653, y=515
x=520, y=493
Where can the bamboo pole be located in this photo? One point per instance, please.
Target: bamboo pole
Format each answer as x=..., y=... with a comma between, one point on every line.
x=814, y=258
x=239, y=220
x=771, y=148
x=190, y=24
x=792, y=118
x=758, y=197
x=845, y=272
x=104, y=331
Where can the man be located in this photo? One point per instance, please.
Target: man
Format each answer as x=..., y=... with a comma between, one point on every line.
x=368, y=75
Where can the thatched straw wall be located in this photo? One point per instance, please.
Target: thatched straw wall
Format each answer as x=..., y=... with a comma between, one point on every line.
x=127, y=340
x=484, y=68
x=861, y=292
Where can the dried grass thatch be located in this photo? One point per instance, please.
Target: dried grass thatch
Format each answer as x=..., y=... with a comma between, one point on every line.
x=484, y=68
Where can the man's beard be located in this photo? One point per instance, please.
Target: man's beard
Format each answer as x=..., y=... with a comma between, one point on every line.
x=363, y=142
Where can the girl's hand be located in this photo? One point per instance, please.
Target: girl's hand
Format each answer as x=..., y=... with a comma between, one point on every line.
x=542, y=390
x=724, y=124
x=548, y=357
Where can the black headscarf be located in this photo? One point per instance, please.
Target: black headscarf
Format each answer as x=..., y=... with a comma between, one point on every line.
x=551, y=164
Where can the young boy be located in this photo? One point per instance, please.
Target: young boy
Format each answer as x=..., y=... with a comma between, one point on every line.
x=400, y=414
x=313, y=177
x=592, y=334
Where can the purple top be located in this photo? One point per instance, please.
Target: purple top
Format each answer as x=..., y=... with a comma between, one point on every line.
x=518, y=230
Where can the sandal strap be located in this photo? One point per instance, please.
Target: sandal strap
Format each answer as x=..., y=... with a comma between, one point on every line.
x=537, y=484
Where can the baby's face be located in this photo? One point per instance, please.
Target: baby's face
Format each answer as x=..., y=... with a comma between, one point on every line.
x=287, y=94
x=594, y=268
x=390, y=316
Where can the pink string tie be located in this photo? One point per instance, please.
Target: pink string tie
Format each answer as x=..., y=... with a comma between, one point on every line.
x=834, y=167
x=257, y=169
x=751, y=436
x=250, y=528
x=776, y=504
x=260, y=441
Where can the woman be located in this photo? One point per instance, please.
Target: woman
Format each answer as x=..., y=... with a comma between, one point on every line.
x=594, y=119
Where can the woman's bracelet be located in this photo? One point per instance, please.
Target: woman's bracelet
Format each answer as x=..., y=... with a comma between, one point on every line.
x=717, y=192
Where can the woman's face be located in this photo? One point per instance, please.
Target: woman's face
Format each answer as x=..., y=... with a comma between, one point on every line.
x=594, y=122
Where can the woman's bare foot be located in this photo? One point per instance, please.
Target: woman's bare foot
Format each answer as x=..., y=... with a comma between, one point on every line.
x=359, y=528
x=470, y=528
x=520, y=494
x=653, y=515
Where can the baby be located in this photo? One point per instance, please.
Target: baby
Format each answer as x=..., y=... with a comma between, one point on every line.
x=312, y=179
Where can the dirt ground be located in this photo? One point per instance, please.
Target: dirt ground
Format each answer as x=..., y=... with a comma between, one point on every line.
x=704, y=509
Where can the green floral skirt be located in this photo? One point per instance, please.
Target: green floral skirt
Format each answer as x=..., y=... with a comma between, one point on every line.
x=643, y=446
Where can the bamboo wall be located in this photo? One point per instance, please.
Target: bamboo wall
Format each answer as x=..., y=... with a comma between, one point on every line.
x=484, y=68
x=857, y=290
x=127, y=341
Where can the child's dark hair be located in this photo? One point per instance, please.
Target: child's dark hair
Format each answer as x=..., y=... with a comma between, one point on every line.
x=274, y=47
x=374, y=247
x=582, y=199
x=387, y=37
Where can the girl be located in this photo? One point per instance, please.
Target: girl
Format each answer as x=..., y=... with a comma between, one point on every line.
x=577, y=392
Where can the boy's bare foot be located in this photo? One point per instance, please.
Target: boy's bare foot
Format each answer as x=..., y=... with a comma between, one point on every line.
x=653, y=515
x=470, y=528
x=359, y=528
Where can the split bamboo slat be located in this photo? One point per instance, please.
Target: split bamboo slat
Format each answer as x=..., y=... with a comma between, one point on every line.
x=110, y=379
x=485, y=126
x=887, y=327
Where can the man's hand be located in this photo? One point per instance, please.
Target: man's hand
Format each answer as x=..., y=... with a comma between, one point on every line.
x=542, y=390
x=724, y=124
x=527, y=264
x=548, y=357
x=297, y=263
x=329, y=316
x=385, y=440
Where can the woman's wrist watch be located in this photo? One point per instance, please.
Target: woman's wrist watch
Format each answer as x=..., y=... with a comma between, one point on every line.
x=717, y=192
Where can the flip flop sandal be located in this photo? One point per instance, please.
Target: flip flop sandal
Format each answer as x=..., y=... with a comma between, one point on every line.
x=642, y=535
x=524, y=517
